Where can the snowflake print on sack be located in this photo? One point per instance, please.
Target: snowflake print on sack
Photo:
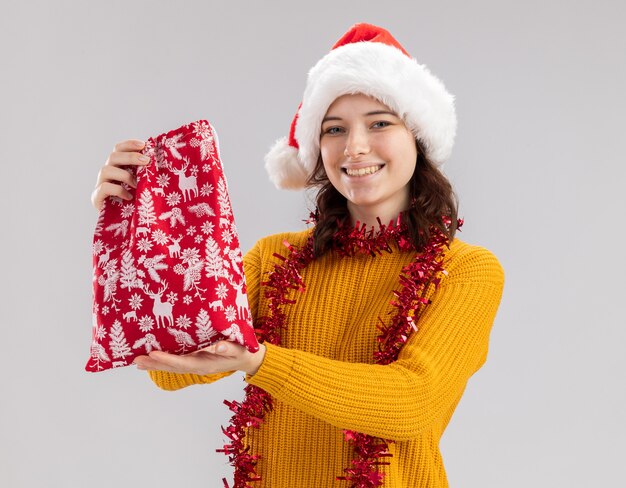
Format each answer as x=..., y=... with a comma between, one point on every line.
x=146, y=323
x=163, y=180
x=183, y=322
x=135, y=301
x=190, y=256
x=97, y=247
x=230, y=313
x=222, y=291
x=144, y=244
x=227, y=236
x=207, y=228
x=204, y=140
x=173, y=199
x=206, y=190
x=168, y=270
x=128, y=210
x=160, y=237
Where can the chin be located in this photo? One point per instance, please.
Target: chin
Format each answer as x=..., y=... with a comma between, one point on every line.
x=363, y=203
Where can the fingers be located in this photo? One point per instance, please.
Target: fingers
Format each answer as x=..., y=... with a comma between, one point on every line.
x=117, y=175
x=109, y=184
x=221, y=347
x=147, y=362
x=204, y=361
x=108, y=189
x=129, y=145
x=125, y=158
x=164, y=362
x=111, y=175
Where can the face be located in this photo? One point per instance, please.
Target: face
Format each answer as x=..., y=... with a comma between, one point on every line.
x=369, y=156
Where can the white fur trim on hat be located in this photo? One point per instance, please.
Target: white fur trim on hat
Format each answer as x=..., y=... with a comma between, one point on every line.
x=283, y=166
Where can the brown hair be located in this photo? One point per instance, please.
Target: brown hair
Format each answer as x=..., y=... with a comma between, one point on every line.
x=430, y=193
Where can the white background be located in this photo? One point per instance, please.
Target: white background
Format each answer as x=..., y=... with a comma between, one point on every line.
x=538, y=165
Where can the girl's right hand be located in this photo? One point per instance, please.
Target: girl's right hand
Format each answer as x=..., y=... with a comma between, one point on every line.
x=111, y=175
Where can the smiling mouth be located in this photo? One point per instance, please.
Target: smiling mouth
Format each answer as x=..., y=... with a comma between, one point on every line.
x=362, y=171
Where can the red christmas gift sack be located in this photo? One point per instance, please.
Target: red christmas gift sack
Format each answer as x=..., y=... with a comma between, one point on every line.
x=167, y=267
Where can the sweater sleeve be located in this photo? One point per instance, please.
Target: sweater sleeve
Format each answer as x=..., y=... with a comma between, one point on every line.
x=175, y=381
x=405, y=398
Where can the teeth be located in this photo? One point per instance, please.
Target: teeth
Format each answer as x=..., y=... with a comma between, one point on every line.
x=363, y=171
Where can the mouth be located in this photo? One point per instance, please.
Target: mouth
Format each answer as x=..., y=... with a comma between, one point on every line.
x=368, y=170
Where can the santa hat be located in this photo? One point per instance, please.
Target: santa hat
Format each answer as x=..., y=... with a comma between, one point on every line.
x=368, y=60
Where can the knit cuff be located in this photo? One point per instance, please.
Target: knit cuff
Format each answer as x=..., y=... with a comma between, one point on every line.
x=175, y=381
x=275, y=369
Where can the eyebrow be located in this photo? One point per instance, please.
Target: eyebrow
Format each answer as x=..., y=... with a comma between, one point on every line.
x=375, y=112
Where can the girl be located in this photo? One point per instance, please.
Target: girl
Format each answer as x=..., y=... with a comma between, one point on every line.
x=372, y=321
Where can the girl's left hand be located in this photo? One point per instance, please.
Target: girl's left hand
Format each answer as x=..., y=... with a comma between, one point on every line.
x=220, y=357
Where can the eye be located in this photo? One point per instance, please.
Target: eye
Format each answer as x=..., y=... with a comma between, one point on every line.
x=333, y=130
x=381, y=124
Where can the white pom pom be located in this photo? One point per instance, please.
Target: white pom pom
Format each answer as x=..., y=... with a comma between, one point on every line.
x=283, y=166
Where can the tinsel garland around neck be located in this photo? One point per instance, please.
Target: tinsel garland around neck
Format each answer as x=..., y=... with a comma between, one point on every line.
x=358, y=239
x=415, y=278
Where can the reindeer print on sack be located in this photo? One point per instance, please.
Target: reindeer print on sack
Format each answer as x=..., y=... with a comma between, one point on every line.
x=168, y=270
x=186, y=183
x=162, y=310
x=174, y=249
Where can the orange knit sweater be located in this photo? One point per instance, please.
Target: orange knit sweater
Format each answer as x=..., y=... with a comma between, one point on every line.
x=323, y=379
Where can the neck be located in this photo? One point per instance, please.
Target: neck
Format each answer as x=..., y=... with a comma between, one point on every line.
x=371, y=215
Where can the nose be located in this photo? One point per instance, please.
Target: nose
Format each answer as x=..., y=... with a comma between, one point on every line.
x=357, y=143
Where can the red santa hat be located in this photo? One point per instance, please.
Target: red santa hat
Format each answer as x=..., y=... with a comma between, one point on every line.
x=367, y=59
